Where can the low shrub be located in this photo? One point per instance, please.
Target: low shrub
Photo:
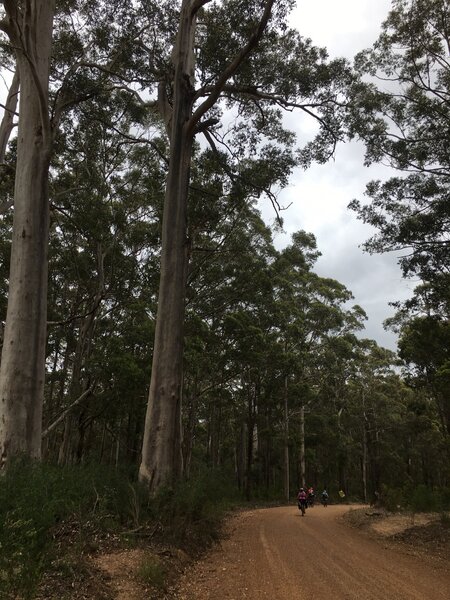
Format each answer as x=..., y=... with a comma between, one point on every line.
x=445, y=498
x=424, y=499
x=192, y=511
x=445, y=519
x=152, y=572
x=39, y=502
x=417, y=499
x=36, y=498
x=393, y=499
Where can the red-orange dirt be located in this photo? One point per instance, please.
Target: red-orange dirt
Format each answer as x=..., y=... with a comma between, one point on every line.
x=277, y=554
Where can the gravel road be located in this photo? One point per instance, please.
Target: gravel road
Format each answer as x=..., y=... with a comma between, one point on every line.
x=278, y=554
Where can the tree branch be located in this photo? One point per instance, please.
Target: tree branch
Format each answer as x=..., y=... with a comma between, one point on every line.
x=232, y=67
x=4, y=26
x=135, y=140
x=9, y=110
x=5, y=206
x=234, y=177
x=6, y=126
x=255, y=94
x=63, y=415
x=16, y=36
x=74, y=318
x=204, y=125
x=197, y=5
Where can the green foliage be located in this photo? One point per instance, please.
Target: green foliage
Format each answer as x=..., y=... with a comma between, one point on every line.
x=445, y=519
x=36, y=498
x=192, y=511
x=404, y=123
x=152, y=572
x=445, y=498
x=421, y=498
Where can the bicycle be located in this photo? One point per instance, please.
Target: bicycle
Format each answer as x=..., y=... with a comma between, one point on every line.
x=302, y=506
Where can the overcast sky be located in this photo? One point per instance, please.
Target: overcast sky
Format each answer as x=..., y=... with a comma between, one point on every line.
x=321, y=194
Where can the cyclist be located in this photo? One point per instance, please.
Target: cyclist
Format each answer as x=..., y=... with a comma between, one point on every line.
x=325, y=498
x=311, y=496
x=302, y=500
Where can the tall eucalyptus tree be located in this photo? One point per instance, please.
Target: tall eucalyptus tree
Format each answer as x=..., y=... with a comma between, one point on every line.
x=58, y=67
x=29, y=28
x=237, y=56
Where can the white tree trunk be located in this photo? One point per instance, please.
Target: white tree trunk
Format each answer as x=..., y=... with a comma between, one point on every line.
x=161, y=450
x=7, y=124
x=302, y=448
x=286, y=441
x=22, y=369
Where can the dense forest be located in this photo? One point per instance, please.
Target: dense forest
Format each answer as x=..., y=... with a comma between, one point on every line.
x=148, y=321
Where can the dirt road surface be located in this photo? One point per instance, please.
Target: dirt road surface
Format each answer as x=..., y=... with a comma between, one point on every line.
x=278, y=554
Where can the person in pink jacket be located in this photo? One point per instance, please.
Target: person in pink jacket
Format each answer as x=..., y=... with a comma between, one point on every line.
x=302, y=500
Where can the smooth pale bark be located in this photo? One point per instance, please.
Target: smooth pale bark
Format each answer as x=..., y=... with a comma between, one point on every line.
x=161, y=453
x=364, y=456
x=302, y=448
x=161, y=450
x=240, y=457
x=23, y=355
x=364, y=464
x=286, y=442
x=161, y=463
x=7, y=124
x=251, y=422
x=189, y=431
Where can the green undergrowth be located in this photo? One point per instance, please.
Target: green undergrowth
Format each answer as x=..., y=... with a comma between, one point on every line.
x=417, y=499
x=191, y=513
x=153, y=572
x=36, y=500
x=40, y=504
